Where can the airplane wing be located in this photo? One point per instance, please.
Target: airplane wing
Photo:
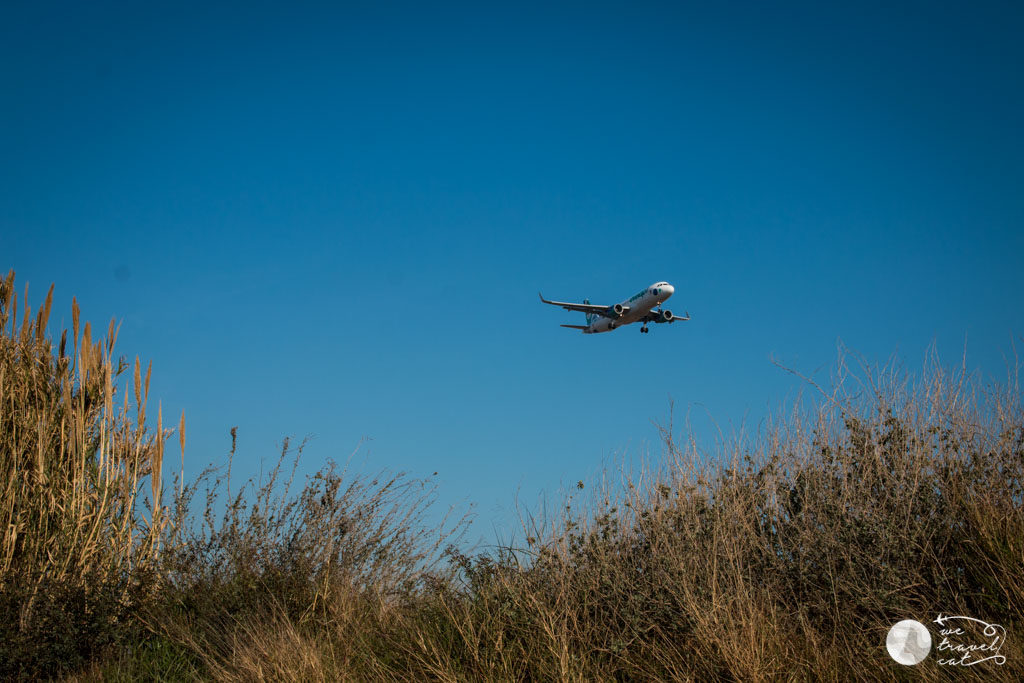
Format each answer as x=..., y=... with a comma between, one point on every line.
x=582, y=308
x=654, y=316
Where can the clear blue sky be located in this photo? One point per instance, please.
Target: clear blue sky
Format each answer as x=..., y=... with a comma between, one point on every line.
x=334, y=220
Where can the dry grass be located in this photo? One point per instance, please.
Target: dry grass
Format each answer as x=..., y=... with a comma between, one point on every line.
x=72, y=461
x=791, y=555
x=281, y=578
x=786, y=555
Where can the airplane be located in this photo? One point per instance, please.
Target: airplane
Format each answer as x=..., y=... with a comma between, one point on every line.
x=637, y=308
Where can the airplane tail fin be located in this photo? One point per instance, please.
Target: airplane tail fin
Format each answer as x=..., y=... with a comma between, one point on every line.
x=590, y=316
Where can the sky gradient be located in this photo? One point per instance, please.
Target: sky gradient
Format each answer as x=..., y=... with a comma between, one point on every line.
x=333, y=220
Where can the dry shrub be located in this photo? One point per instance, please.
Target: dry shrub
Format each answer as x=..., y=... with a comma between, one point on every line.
x=316, y=568
x=788, y=555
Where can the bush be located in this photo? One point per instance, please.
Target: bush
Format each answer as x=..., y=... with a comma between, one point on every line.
x=794, y=553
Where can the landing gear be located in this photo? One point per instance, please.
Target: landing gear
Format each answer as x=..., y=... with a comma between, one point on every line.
x=643, y=329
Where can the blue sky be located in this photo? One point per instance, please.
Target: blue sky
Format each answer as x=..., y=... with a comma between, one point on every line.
x=333, y=219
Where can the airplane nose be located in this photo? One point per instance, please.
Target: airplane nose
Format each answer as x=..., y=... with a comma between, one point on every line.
x=668, y=290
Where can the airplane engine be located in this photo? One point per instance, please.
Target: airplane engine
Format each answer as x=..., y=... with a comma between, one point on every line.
x=619, y=310
x=665, y=317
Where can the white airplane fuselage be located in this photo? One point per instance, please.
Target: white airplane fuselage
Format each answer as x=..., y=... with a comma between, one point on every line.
x=635, y=308
x=642, y=307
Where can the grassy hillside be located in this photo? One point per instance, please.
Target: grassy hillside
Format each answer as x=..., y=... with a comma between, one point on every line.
x=787, y=555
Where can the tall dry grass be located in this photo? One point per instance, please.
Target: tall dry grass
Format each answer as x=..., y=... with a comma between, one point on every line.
x=73, y=464
x=788, y=554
